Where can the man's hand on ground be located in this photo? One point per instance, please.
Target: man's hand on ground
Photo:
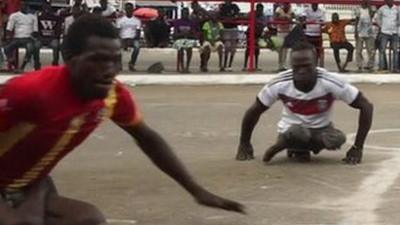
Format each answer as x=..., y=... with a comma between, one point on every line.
x=206, y=198
x=353, y=156
x=245, y=152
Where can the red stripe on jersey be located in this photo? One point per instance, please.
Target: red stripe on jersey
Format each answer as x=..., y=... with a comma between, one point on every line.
x=310, y=106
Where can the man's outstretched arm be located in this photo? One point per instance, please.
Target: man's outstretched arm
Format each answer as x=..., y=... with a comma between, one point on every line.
x=157, y=149
x=354, y=155
x=250, y=119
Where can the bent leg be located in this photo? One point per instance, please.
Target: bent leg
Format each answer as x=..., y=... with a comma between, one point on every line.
x=65, y=211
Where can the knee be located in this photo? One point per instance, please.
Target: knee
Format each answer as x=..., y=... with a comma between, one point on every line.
x=297, y=134
x=89, y=215
x=333, y=140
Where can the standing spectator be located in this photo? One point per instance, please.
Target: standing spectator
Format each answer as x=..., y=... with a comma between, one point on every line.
x=388, y=21
x=228, y=12
x=316, y=17
x=50, y=29
x=157, y=31
x=107, y=9
x=185, y=39
x=284, y=15
x=337, y=35
x=364, y=33
x=212, y=35
x=76, y=13
x=2, y=9
x=77, y=4
x=259, y=31
x=129, y=27
x=22, y=28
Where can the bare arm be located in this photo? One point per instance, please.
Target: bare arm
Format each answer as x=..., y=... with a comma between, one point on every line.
x=354, y=155
x=364, y=120
x=157, y=149
x=250, y=120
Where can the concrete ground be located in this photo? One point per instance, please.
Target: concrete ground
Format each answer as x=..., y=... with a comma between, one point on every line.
x=202, y=124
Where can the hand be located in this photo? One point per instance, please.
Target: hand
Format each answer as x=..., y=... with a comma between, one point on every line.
x=203, y=197
x=354, y=155
x=245, y=152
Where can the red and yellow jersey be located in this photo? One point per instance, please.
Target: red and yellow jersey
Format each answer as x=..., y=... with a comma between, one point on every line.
x=42, y=119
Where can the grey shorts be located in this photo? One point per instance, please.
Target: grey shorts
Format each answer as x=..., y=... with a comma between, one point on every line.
x=299, y=137
x=230, y=37
x=12, y=198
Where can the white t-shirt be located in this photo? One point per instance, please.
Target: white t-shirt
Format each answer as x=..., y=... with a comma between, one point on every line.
x=315, y=17
x=312, y=109
x=22, y=24
x=67, y=23
x=128, y=26
x=109, y=11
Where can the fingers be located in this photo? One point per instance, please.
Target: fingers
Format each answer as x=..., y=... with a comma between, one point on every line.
x=244, y=155
x=234, y=206
x=352, y=160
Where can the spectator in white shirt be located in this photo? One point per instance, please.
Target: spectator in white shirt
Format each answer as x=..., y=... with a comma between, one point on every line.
x=129, y=27
x=388, y=21
x=22, y=31
x=364, y=33
x=107, y=9
x=315, y=17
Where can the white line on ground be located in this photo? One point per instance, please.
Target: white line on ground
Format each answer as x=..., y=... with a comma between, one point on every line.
x=124, y=221
x=360, y=208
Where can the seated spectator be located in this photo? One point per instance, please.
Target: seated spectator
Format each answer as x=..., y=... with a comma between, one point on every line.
x=129, y=27
x=185, y=39
x=76, y=13
x=259, y=38
x=284, y=15
x=50, y=29
x=228, y=12
x=297, y=34
x=107, y=9
x=21, y=31
x=212, y=36
x=337, y=35
x=157, y=32
x=199, y=16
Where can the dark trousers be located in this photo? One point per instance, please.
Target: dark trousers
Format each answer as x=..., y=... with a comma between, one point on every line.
x=53, y=44
x=342, y=45
x=28, y=44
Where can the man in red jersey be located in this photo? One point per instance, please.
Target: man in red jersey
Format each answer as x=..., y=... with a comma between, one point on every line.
x=45, y=114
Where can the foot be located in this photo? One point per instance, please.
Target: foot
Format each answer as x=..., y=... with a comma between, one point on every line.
x=221, y=69
x=131, y=67
x=229, y=69
x=244, y=69
x=204, y=69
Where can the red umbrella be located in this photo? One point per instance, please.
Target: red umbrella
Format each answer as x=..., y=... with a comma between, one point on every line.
x=146, y=13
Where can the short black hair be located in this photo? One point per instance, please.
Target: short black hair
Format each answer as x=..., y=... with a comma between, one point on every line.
x=86, y=26
x=128, y=3
x=303, y=45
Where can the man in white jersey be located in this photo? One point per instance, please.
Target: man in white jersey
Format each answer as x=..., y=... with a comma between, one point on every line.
x=307, y=93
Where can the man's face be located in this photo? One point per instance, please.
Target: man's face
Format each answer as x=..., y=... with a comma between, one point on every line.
x=335, y=17
x=314, y=6
x=129, y=9
x=259, y=11
x=365, y=4
x=185, y=14
x=24, y=8
x=103, y=4
x=286, y=6
x=93, y=71
x=228, y=2
x=304, y=67
x=78, y=2
x=389, y=2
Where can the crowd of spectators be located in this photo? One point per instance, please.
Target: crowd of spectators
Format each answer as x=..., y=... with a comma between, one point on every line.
x=210, y=31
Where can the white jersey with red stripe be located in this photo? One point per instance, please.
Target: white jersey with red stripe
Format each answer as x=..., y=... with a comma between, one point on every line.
x=310, y=109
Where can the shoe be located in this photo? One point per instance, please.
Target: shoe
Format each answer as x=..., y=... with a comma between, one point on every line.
x=222, y=69
x=244, y=69
x=228, y=69
x=131, y=67
x=382, y=71
x=204, y=69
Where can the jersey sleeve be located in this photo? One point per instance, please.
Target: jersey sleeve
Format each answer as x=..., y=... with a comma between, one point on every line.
x=344, y=91
x=16, y=104
x=126, y=112
x=268, y=94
